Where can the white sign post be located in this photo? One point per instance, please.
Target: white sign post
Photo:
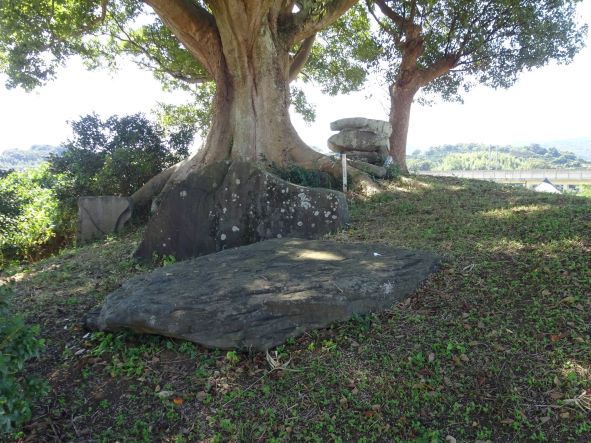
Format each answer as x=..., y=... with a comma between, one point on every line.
x=344, y=167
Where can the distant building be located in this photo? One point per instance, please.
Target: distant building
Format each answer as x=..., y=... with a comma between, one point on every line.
x=547, y=186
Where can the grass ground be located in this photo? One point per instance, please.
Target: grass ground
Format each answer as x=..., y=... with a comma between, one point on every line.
x=492, y=348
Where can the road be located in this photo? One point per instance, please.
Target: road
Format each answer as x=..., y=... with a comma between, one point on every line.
x=528, y=177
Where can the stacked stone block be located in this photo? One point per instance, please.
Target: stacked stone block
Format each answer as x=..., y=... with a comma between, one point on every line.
x=361, y=139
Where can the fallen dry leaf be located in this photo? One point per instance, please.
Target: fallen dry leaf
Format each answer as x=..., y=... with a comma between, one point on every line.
x=557, y=337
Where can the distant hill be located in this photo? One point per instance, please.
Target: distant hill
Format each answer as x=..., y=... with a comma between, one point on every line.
x=472, y=156
x=580, y=146
x=20, y=159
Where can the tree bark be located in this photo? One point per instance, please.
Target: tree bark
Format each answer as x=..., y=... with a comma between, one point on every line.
x=400, y=104
x=247, y=53
x=251, y=107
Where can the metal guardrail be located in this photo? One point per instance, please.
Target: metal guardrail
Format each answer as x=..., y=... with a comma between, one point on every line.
x=562, y=176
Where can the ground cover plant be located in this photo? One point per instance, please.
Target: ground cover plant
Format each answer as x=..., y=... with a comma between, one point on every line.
x=494, y=347
x=18, y=343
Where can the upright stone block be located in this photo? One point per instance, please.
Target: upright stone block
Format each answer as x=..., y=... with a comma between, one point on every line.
x=230, y=204
x=100, y=216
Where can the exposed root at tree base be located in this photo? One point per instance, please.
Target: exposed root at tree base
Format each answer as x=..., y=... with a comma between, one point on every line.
x=156, y=186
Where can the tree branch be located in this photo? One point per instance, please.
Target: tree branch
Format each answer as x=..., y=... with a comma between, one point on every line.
x=195, y=28
x=408, y=28
x=437, y=69
x=159, y=63
x=104, y=4
x=300, y=57
x=398, y=20
x=392, y=32
x=94, y=22
x=308, y=22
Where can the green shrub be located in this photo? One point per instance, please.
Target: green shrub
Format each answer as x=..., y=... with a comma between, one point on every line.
x=116, y=156
x=392, y=172
x=18, y=343
x=30, y=216
x=305, y=177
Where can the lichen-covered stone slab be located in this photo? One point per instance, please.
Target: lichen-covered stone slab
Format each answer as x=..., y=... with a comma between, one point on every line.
x=257, y=296
x=230, y=204
x=101, y=216
x=365, y=124
x=358, y=140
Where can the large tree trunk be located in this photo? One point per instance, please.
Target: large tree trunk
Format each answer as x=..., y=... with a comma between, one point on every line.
x=247, y=55
x=251, y=107
x=400, y=103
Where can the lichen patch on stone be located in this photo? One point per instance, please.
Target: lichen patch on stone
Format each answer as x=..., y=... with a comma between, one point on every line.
x=304, y=200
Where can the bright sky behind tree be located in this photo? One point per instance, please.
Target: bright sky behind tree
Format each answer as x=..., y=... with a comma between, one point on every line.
x=547, y=104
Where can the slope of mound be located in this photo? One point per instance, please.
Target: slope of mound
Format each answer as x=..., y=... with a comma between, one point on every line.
x=495, y=347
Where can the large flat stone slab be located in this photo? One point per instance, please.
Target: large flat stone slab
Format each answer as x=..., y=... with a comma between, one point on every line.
x=361, y=123
x=230, y=204
x=101, y=216
x=358, y=140
x=257, y=296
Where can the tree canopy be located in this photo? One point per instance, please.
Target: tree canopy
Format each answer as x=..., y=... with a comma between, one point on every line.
x=101, y=31
x=251, y=50
x=447, y=46
x=239, y=57
x=451, y=45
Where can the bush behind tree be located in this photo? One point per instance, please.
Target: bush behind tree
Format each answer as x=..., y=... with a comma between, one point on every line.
x=116, y=156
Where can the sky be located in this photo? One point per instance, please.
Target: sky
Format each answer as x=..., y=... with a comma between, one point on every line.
x=551, y=103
